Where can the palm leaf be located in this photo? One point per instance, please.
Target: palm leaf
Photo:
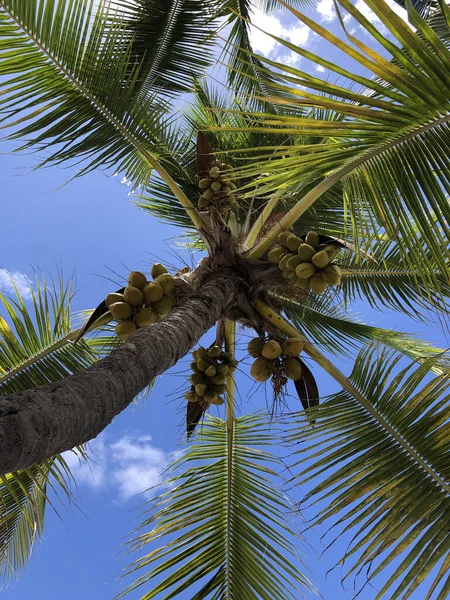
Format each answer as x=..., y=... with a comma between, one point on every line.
x=383, y=465
x=73, y=95
x=35, y=349
x=220, y=526
x=388, y=152
x=329, y=325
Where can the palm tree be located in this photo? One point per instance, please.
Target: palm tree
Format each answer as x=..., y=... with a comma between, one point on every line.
x=361, y=164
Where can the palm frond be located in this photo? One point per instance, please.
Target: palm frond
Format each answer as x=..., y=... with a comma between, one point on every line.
x=388, y=152
x=35, y=349
x=221, y=524
x=383, y=467
x=68, y=90
x=329, y=325
x=173, y=41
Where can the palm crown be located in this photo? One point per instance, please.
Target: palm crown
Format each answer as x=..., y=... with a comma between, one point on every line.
x=362, y=165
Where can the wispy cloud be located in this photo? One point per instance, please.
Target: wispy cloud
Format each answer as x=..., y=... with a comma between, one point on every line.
x=267, y=46
x=20, y=280
x=325, y=8
x=125, y=468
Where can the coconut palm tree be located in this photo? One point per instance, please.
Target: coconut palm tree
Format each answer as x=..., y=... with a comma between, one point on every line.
x=356, y=174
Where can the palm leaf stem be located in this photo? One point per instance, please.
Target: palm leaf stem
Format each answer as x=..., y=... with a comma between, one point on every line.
x=230, y=346
x=152, y=161
x=278, y=321
x=308, y=199
x=261, y=221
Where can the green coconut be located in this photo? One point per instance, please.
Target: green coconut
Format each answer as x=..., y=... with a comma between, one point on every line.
x=167, y=282
x=255, y=347
x=293, y=369
x=121, y=310
x=293, y=262
x=292, y=346
x=153, y=292
x=283, y=238
x=321, y=259
x=201, y=389
x=191, y=396
x=204, y=183
x=158, y=269
x=318, y=284
x=144, y=317
x=271, y=349
x=216, y=186
x=211, y=371
x=260, y=369
x=214, y=172
x=293, y=242
x=306, y=252
x=137, y=279
x=305, y=270
x=214, y=352
x=312, y=238
x=133, y=296
x=113, y=298
x=163, y=305
x=202, y=365
x=125, y=329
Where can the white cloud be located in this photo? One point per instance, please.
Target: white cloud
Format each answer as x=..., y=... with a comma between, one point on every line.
x=269, y=47
x=372, y=17
x=21, y=281
x=125, y=468
x=320, y=69
x=326, y=9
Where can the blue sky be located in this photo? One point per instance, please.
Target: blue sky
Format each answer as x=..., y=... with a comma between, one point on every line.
x=90, y=227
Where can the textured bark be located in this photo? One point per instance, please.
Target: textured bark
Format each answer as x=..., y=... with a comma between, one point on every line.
x=45, y=421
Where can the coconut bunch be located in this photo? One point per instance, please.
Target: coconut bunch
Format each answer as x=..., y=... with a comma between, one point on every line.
x=142, y=302
x=275, y=358
x=210, y=369
x=307, y=262
x=218, y=188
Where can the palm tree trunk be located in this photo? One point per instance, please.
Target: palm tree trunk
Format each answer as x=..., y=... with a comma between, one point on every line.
x=45, y=421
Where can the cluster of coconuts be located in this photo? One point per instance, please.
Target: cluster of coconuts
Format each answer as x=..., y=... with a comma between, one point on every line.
x=210, y=369
x=142, y=302
x=306, y=262
x=273, y=356
x=218, y=188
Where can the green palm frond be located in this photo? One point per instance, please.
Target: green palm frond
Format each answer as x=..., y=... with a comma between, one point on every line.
x=35, y=349
x=383, y=471
x=173, y=41
x=221, y=524
x=390, y=152
x=67, y=88
x=328, y=324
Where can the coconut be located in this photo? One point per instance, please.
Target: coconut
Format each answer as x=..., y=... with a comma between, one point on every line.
x=191, y=396
x=195, y=368
x=167, y=282
x=202, y=365
x=321, y=259
x=113, y=298
x=158, y=269
x=312, y=238
x=293, y=242
x=195, y=378
x=317, y=284
x=276, y=254
x=125, y=329
x=144, y=317
x=214, y=172
x=305, y=270
x=255, y=347
x=293, y=369
x=260, y=369
x=220, y=389
x=202, y=353
x=226, y=190
x=133, y=296
x=332, y=250
x=216, y=186
x=153, y=292
x=137, y=279
x=292, y=346
x=201, y=389
x=214, y=352
x=208, y=194
x=283, y=262
x=163, y=305
x=306, y=252
x=283, y=238
x=293, y=262
x=219, y=378
x=217, y=401
x=223, y=369
x=331, y=276
x=271, y=349
x=204, y=183
x=121, y=310
x=211, y=371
